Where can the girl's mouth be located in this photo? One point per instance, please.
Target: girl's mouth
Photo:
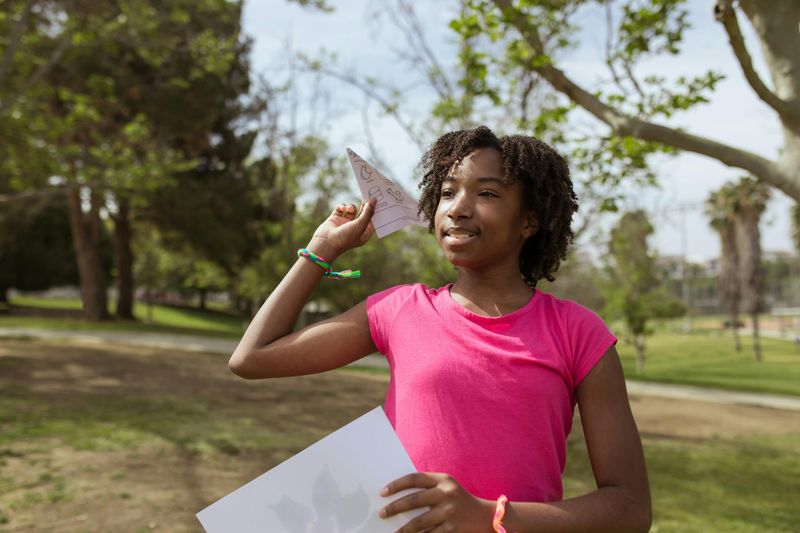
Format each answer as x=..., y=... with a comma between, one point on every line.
x=458, y=235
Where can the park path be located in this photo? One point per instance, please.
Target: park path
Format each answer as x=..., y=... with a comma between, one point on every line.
x=197, y=343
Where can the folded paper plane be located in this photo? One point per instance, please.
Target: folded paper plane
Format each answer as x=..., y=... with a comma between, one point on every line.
x=395, y=208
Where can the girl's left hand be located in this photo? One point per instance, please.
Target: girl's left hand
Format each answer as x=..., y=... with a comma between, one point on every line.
x=452, y=508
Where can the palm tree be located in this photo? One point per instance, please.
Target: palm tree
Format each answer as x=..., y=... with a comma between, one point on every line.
x=720, y=208
x=735, y=211
x=751, y=199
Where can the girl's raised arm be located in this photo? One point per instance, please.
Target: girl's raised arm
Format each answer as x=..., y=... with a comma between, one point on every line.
x=269, y=348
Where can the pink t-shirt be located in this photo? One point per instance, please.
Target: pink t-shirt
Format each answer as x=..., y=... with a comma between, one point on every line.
x=488, y=400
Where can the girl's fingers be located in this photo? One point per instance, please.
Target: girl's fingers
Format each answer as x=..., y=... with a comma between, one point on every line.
x=424, y=522
x=415, y=500
x=365, y=217
x=348, y=211
x=418, y=480
x=368, y=233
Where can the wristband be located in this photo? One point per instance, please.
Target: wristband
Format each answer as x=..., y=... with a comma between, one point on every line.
x=499, y=513
x=329, y=273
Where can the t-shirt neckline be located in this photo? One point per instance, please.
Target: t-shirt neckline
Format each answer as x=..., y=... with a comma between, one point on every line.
x=477, y=317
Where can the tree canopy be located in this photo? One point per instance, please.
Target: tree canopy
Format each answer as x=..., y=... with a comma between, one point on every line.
x=528, y=34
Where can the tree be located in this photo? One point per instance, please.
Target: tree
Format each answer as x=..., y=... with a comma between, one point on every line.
x=720, y=207
x=140, y=90
x=506, y=38
x=634, y=291
x=174, y=269
x=465, y=96
x=579, y=279
x=750, y=202
x=795, y=223
x=35, y=245
x=735, y=212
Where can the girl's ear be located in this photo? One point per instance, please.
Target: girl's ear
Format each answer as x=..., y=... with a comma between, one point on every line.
x=531, y=225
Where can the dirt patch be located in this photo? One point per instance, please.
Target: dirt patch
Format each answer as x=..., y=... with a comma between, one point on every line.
x=129, y=439
x=672, y=418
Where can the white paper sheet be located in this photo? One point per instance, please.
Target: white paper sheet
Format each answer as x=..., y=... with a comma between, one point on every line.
x=330, y=487
x=395, y=209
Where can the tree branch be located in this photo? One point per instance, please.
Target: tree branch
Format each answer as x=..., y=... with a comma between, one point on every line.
x=725, y=13
x=15, y=38
x=369, y=91
x=417, y=41
x=63, y=44
x=622, y=125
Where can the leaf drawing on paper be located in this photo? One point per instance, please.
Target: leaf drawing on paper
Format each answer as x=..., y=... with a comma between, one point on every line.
x=294, y=516
x=330, y=510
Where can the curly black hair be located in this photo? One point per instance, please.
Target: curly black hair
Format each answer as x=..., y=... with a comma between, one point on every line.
x=547, y=190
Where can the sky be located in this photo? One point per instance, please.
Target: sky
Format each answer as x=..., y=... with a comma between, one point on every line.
x=362, y=40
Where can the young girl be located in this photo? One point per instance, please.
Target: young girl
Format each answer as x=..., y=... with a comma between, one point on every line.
x=486, y=371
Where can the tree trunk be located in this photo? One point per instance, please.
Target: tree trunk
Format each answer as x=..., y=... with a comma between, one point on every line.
x=150, y=297
x=122, y=242
x=729, y=286
x=756, y=339
x=85, y=229
x=752, y=272
x=4, y=295
x=638, y=344
x=202, y=304
x=737, y=339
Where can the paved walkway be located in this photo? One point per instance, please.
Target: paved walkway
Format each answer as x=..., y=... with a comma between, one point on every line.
x=226, y=346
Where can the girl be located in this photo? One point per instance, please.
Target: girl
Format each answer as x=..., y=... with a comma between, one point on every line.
x=486, y=371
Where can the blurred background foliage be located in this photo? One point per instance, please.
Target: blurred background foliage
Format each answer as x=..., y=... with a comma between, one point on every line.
x=146, y=156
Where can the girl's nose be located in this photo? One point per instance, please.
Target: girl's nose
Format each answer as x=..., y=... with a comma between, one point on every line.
x=459, y=206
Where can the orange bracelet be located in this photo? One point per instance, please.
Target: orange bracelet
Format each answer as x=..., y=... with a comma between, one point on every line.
x=499, y=513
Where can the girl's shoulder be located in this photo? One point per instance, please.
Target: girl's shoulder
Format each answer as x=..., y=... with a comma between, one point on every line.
x=405, y=291
x=568, y=311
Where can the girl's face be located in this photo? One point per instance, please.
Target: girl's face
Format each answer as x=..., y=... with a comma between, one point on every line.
x=480, y=222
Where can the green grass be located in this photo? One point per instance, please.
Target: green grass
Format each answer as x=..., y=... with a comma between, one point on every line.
x=707, y=359
x=743, y=485
x=165, y=319
x=46, y=303
x=76, y=324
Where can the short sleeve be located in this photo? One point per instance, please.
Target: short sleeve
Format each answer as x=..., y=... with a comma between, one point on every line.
x=590, y=339
x=382, y=308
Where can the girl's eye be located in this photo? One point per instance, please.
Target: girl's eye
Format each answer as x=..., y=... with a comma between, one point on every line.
x=447, y=193
x=488, y=193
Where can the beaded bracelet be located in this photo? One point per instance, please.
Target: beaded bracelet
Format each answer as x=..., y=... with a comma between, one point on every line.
x=499, y=513
x=329, y=273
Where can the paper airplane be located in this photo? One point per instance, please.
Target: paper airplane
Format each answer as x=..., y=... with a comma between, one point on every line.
x=330, y=487
x=395, y=208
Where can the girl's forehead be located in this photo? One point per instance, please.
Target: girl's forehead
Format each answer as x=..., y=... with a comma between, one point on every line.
x=487, y=162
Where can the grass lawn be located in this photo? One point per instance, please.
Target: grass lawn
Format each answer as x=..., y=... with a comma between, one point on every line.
x=121, y=439
x=707, y=359
x=165, y=319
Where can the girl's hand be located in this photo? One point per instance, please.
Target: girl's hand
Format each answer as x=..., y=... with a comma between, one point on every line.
x=452, y=508
x=343, y=230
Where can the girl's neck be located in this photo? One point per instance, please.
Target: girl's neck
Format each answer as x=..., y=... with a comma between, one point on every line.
x=490, y=295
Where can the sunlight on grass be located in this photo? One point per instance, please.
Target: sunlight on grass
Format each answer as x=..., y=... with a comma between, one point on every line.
x=164, y=318
x=709, y=359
